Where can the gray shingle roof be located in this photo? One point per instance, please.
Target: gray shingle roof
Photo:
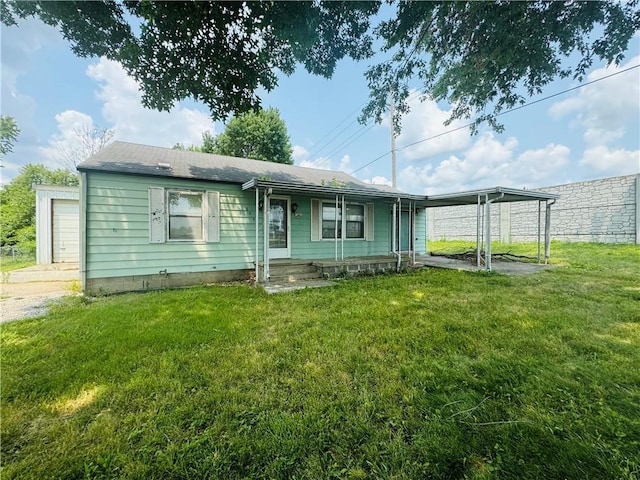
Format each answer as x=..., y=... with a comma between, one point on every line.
x=131, y=158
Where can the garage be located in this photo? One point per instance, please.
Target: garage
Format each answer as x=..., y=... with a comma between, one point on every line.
x=57, y=224
x=66, y=230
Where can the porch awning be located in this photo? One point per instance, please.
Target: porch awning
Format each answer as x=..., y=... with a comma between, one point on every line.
x=332, y=190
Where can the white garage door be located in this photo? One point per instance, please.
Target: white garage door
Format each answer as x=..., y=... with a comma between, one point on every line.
x=66, y=231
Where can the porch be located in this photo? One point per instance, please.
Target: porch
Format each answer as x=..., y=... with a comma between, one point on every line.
x=300, y=270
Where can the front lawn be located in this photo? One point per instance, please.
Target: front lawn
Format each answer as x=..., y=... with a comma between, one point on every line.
x=431, y=374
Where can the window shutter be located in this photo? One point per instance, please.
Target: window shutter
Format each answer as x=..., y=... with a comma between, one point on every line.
x=315, y=220
x=368, y=223
x=213, y=217
x=157, y=217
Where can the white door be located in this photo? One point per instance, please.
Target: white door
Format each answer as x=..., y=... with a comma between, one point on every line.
x=279, y=228
x=66, y=231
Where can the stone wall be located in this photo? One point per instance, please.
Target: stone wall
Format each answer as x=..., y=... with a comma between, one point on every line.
x=606, y=210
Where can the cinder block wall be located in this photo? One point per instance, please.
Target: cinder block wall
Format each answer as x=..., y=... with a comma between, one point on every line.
x=606, y=210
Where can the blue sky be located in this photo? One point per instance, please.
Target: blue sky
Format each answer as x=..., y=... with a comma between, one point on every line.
x=592, y=132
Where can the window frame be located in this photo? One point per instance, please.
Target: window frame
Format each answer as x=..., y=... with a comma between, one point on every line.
x=202, y=216
x=342, y=222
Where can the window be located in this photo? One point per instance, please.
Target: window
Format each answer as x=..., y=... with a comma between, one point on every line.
x=357, y=223
x=329, y=221
x=183, y=216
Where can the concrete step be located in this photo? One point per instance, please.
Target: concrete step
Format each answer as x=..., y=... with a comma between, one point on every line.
x=294, y=277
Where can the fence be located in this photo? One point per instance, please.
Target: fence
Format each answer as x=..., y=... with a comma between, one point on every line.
x=605, y=210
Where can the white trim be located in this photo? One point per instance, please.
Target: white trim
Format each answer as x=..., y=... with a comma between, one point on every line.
x=281, y=252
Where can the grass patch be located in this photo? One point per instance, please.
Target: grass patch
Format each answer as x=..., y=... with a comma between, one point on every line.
x=432, y=374
x=8, y=264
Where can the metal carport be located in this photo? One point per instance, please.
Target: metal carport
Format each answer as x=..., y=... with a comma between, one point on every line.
x=483, y=199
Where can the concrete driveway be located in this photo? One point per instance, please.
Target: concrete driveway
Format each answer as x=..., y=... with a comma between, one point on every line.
x=27, y=292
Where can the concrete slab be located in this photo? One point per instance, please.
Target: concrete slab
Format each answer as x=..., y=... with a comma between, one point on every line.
x=56, y=272
x=272, y=288
x=498, y=266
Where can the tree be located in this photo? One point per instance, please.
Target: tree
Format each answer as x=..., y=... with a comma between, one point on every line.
x=18, y=203
x=9, y=132
x=261, y=136
x=475, y=55
x=87, y=141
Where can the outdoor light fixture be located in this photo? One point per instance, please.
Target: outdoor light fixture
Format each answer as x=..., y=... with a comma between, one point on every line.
x=294, y=208
x=260, y=205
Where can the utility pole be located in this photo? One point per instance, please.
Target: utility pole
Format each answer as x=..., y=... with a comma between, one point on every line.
x=393, y=140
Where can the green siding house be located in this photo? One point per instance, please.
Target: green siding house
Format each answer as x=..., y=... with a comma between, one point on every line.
x=155, y=217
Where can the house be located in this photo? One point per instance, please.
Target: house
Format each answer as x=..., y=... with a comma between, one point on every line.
x=155, y=217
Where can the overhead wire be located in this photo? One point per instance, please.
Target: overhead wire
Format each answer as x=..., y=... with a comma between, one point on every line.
x=519, y=107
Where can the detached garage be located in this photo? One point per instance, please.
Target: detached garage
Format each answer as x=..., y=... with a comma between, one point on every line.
x=57, y=224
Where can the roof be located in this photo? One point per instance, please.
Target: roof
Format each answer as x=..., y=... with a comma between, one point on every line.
x=498, y=194
x=135, y=159
x=131, y=158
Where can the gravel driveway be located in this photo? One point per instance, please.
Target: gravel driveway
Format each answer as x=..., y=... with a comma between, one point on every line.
x=30, y=299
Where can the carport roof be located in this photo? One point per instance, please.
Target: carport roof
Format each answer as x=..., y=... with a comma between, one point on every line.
x=497, y=194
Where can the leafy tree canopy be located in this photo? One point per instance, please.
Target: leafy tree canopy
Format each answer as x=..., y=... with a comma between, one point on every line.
x=475, y=55
x=260, y=135
x=9, y=132
x=18, y=203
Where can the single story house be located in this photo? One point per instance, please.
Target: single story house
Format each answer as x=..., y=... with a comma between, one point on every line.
x=155, y=217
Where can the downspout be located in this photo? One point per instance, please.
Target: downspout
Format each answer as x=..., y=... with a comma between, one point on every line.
x=547, y=232
x=83, y=231
x=257, y=260
x=488, y=232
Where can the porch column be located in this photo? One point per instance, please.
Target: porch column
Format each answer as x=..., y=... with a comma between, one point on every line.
x=335, y=232
x=257, y=259
x=265, y=223
x=344, y=210
x=478, y=233
x=547, y=231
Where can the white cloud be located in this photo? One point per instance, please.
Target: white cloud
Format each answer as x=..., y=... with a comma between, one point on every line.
x=379, y=180
x=604, y=109
x=134, y=123
x=69, y=123
x=301, y=159
x=426, y=120
x=612, y=162
x=488, y=162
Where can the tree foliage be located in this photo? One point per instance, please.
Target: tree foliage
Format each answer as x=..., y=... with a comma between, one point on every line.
x=475, y=55
x=258, y=135
x=18, y=203
x=9, y=132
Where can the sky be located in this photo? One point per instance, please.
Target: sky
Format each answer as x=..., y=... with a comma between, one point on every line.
x=589, y=133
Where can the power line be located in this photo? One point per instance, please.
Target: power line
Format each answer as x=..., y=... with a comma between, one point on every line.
x=497, y=115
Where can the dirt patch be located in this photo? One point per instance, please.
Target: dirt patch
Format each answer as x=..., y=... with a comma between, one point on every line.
x=31, y=299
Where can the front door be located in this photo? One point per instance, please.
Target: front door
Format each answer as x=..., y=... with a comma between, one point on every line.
x=279, y=227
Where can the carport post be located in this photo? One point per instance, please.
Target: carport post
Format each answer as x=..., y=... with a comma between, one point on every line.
x=487, y=224
x=539, y=215
x=478, y=233
x=547, y=231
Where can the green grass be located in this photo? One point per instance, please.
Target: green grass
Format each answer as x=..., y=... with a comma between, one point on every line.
x=433, y=374
x=8, y=264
